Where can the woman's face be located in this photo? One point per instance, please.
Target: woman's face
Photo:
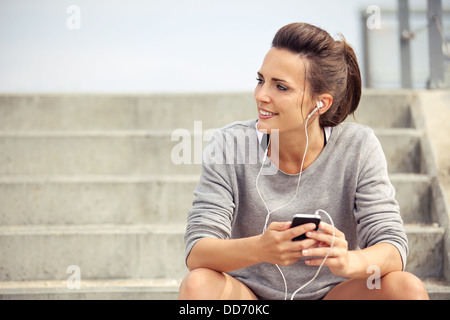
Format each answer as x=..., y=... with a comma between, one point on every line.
x=280, y=92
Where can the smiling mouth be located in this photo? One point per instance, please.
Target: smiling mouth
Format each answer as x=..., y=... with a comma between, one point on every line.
x=267, y=113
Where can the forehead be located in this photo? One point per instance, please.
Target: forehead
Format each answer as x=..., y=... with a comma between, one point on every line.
x=285, y=65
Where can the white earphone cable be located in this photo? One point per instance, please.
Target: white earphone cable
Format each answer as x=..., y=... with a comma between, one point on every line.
x=324, y=259
x=298, y=182
x=295, y=196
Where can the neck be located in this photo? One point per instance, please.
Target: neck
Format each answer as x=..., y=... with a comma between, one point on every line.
x=288, y=150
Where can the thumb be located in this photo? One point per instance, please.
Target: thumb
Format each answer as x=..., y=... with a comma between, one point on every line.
x=279, y=226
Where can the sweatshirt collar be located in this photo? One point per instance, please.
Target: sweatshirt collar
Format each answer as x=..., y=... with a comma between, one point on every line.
x=263, y=137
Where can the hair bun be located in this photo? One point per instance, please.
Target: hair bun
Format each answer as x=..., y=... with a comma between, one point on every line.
x=333, y=68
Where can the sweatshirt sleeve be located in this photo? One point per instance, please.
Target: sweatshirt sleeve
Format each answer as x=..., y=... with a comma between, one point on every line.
x=376, y=211
x=213, y=205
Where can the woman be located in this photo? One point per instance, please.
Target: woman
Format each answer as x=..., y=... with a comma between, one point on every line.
x=238, y=239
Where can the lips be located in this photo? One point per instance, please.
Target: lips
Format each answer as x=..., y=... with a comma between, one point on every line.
x=265, y=114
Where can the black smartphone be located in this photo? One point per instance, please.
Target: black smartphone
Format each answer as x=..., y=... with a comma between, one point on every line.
x=300, y=219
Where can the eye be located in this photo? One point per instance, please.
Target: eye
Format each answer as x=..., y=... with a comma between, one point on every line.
x=260, y=81
x=281, y=87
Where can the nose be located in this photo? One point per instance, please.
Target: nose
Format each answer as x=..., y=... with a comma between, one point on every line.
x=261, y=94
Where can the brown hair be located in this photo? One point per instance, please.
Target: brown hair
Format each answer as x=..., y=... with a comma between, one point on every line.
x=331, y=65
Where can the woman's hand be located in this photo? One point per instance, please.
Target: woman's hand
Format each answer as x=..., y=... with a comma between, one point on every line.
x=338, y=259
x=276, y=245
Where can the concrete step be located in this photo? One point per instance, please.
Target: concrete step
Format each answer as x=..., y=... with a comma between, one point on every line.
x=158, y=199
x=122, y=112
x=72, y=200
x=413, y=193
x=85, y=153
x=402, y=149
x=426, y=246
x=126, y=289
x=130, y=289
x=146, y=152
x=384, y=109
x=142, y=251
x=61, y=112
x=121, y=289
x=437, y=289
x=100, y=251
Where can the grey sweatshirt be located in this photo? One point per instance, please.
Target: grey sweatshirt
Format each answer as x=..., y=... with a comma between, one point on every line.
x=349, y=180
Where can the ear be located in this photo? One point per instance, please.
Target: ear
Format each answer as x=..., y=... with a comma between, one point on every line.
x=327, y=101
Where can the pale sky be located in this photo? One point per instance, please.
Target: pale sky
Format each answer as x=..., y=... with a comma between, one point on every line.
x=157, y=46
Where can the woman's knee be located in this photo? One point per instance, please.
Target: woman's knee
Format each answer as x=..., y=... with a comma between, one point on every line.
x=201, y=284
x=402, y=285
x=396, y=285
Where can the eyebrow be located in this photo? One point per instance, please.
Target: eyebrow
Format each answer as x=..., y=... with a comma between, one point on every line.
x=273, y=79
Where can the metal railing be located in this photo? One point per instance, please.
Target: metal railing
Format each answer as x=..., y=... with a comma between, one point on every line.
x=437, y=43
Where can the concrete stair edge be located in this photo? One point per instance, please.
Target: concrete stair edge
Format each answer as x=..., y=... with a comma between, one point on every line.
x=115, y=289
x=120, y=199
x=124, y=289
x=123, y=259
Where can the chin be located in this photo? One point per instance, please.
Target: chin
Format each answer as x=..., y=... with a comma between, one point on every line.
x=267, y=129
x=263, y=127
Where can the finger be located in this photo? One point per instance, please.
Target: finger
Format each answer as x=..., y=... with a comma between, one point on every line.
x=279, y=226
x=328, y=228
x=320, y=252
x=318, y=262
x=331, y=260
x=321, y=237
x=304, y=244
x=297, y=231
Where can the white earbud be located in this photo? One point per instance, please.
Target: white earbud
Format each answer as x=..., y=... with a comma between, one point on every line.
x=319, y=106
